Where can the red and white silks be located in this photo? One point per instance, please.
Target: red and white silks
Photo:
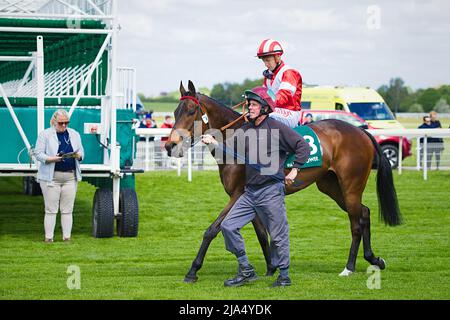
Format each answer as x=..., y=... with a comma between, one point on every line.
x=286, y=84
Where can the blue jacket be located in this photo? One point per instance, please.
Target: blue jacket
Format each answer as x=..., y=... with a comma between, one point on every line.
x=430, y=126
x=47, y=146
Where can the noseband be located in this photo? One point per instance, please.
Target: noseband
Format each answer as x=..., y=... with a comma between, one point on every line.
x=205, y=115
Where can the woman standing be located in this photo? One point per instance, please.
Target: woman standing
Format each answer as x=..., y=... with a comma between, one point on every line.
x=59, y=151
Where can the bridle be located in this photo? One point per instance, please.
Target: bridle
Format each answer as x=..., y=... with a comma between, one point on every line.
x=205, y=118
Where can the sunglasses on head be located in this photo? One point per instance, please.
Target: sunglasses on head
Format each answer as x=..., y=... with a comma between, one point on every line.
x=64, y=123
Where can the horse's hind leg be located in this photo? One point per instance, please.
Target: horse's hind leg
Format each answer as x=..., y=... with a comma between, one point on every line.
x=369, y=256
x=354, y=207
x=349, y=201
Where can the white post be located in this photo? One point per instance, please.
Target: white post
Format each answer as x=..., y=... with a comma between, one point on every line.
x=179, y=166
x=418, y=153
x=425, y=156
x=116, y=184
x=147, y=153
x=400, y=155
x=190, y=164
x=134, y=90
x=40, y=79
x=113, y=83
x=104, y=116
x=115, y=151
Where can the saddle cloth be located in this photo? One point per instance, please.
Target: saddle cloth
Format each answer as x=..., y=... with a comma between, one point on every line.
x=315, y=157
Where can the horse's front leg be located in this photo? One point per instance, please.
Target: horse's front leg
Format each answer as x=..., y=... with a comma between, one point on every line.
x=209, y=236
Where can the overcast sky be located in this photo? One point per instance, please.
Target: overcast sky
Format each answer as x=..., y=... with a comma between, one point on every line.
x=330, y=42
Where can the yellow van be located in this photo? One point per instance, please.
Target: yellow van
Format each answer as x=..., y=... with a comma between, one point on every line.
x=365, y=102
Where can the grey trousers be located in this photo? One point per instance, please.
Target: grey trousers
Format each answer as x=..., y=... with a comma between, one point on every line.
x=268, y=203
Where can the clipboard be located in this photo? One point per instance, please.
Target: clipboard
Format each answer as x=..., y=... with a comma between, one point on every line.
x=69, y=155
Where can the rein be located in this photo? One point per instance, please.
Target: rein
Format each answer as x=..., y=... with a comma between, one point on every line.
x=205, y=115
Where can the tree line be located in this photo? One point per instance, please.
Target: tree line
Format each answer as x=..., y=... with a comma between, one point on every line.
x=401, y=98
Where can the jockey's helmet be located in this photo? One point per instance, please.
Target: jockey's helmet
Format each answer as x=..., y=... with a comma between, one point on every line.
x=262, y=95
x=269, y=47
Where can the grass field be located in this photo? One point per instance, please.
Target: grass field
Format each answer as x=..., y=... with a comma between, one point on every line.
x=161, y=106
x=173, y=216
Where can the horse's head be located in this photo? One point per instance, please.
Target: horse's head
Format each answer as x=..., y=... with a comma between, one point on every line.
x=187, y=114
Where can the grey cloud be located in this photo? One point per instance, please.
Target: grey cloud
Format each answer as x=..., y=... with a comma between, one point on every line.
x=329, y=41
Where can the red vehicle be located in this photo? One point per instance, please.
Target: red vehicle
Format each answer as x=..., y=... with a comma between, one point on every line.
x=389, y=144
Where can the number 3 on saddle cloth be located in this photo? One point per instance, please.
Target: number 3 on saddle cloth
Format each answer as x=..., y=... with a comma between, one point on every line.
x=315, y=156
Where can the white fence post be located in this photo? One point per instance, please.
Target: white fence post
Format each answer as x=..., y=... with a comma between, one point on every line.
x=419, y=147
x=425, y=156
x=179, y=167
x=147, y=153
x=190, y=164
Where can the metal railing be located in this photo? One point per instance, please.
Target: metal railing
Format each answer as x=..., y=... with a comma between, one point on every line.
x=150, y=154
x=422, y=150
x=126, y=88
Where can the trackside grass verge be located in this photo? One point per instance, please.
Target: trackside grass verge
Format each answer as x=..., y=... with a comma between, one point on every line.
x=173, y=217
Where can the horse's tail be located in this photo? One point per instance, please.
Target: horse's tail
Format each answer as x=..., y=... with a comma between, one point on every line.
x=389, y=210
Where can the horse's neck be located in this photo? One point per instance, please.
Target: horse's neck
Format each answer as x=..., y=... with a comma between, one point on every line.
x=219, y=116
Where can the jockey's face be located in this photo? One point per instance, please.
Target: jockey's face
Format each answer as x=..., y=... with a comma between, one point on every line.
x=271, y=62
x=254, y=109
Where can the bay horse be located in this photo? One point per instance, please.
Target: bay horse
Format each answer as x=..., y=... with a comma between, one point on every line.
x=349, y=153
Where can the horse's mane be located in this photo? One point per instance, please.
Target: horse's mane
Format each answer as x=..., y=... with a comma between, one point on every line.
x=222, y=106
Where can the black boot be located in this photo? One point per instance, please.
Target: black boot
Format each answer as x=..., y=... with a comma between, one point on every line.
x=245, y=274
x=282, y=282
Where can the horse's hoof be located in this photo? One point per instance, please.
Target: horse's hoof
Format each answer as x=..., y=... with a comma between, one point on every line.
x=381, y=263
x=190, y=279
x=346, y=273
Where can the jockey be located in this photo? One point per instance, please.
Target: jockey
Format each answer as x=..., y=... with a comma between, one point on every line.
x=284, y=81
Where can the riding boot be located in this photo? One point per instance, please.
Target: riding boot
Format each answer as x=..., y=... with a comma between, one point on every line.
x=245, y=274
x=282, y=281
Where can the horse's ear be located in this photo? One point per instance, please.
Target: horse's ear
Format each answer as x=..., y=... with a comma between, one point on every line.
x=191, y=88
x=182, y=89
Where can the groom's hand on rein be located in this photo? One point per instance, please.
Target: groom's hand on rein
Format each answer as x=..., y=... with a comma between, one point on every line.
x=208, y=139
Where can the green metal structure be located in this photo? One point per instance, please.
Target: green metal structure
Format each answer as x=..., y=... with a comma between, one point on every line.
x=62, y=55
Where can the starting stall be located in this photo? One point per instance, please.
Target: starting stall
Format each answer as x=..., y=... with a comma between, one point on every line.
x=62, y=55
